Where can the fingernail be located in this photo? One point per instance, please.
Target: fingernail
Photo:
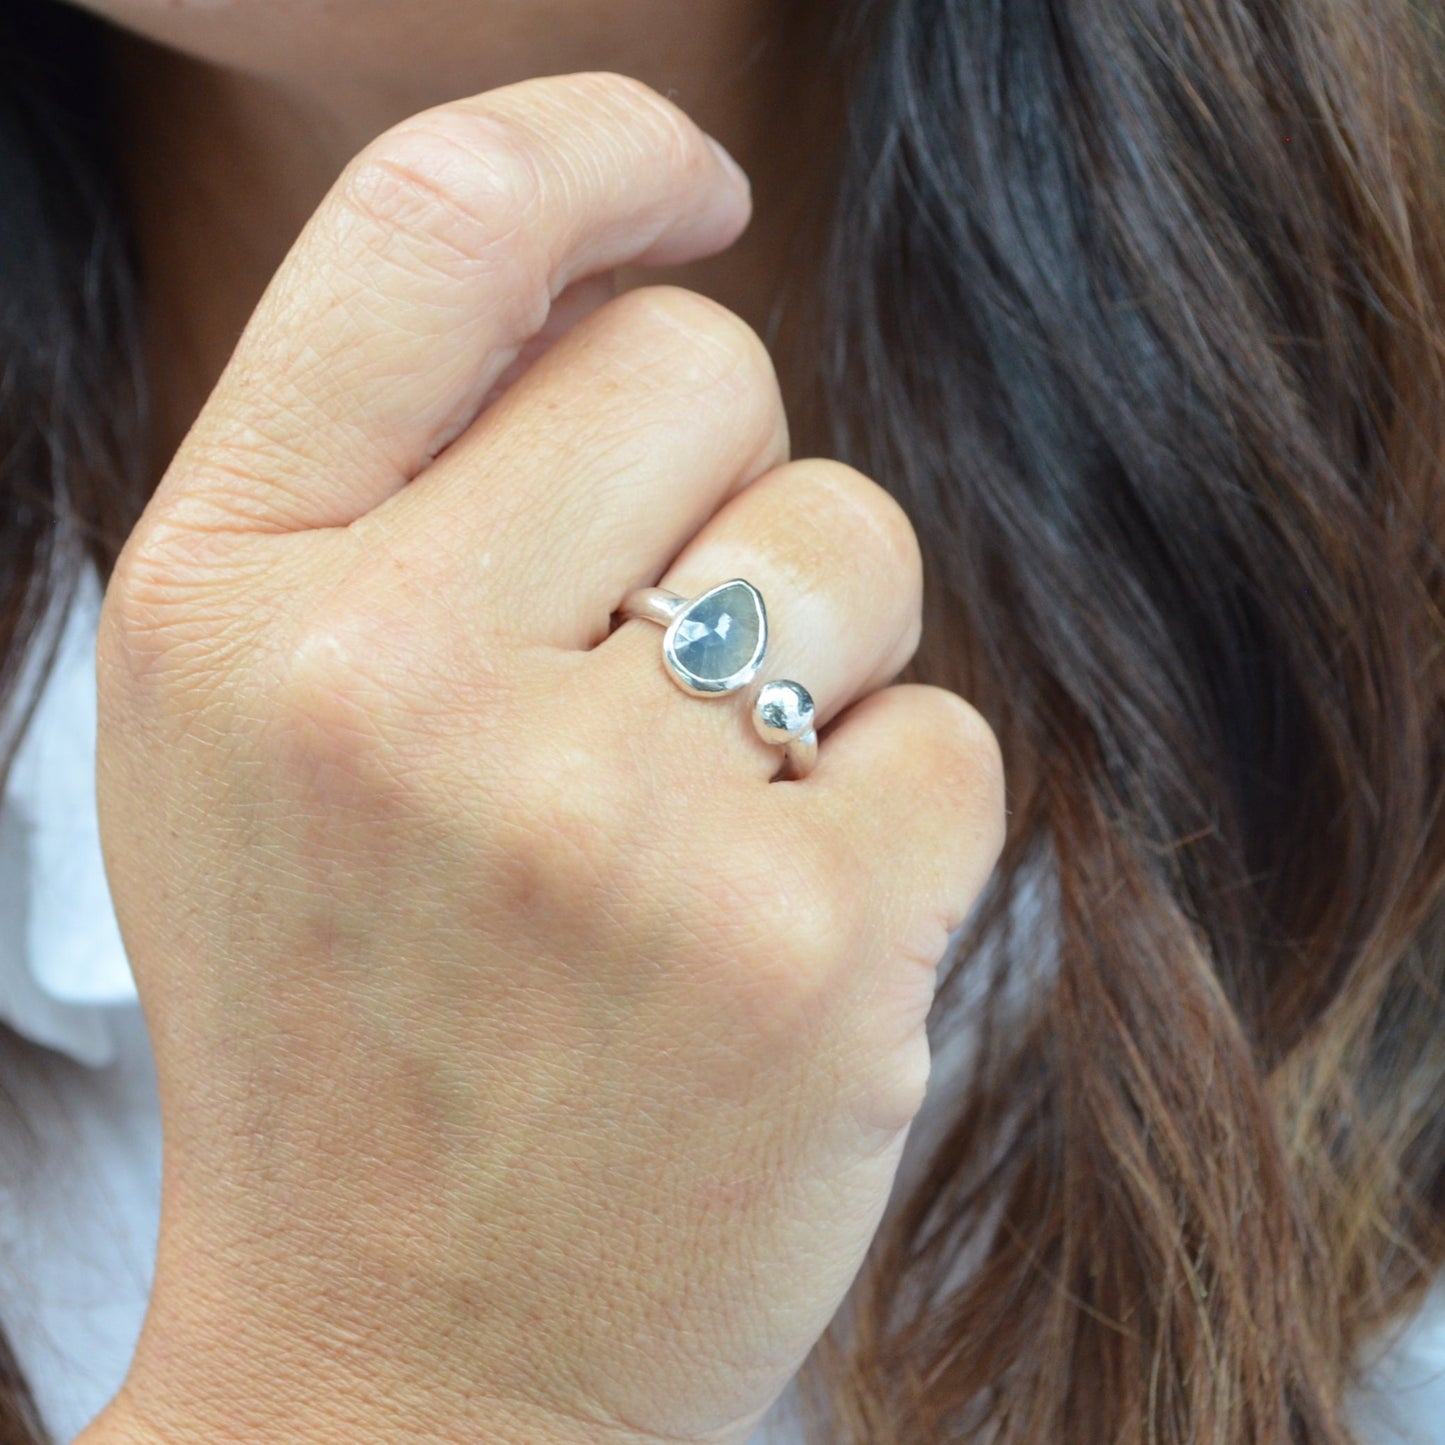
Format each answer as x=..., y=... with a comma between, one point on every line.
x=727, y=162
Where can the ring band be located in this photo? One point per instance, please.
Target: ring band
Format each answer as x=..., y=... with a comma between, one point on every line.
x=714, y=644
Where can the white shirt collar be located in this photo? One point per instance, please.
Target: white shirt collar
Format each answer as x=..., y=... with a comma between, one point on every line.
x=63, y=967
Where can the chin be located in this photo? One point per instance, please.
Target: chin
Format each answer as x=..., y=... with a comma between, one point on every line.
x=304, y=39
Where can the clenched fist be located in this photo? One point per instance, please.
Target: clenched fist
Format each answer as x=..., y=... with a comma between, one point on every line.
x=535, y=1060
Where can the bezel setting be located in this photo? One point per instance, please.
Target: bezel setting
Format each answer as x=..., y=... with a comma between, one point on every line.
x=690, y=681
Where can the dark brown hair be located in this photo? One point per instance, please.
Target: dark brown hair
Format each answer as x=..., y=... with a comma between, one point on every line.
x=72, y=388
x=72, y=402
x=1136, y=305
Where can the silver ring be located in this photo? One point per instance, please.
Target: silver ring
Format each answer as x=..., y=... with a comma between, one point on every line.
x=714, y=644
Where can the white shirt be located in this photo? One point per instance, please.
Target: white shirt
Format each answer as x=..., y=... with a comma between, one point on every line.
x=80, y=1190
x=80, y=1186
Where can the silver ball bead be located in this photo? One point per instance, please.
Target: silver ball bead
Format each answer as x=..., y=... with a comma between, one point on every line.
x=784, y=711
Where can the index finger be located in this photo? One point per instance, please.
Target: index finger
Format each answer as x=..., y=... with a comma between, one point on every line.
x=432, y=260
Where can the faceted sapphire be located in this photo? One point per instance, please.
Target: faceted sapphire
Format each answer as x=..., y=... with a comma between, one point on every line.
x=717, y=636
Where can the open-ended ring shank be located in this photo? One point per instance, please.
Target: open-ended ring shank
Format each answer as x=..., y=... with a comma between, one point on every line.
x=714, y=644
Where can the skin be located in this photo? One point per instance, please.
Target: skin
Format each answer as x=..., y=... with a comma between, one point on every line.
x=236, y=118
x=533, y=1066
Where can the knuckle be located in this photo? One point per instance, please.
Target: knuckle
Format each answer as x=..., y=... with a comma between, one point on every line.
x=333, y=714
x=164, y=597
x=890, y=1096
x=792, y=928
x=855, y=501
x=568, y=828
x=461, y=181
x=818, y=931
x=708, y=347
x=138, y=599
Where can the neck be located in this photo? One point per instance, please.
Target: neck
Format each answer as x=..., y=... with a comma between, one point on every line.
x=223, y=168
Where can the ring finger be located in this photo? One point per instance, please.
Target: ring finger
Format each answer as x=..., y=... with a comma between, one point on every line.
x=837, y=563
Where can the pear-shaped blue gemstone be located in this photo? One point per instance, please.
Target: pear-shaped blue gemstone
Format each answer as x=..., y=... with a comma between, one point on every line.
x=717, y=636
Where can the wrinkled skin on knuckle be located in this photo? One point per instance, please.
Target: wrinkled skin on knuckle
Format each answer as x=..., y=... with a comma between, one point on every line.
x=136, y=615
x=452, y=190
x=140, y=605
x=169, y=615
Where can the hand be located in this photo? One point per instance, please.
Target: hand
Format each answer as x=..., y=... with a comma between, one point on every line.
x=533, y=1066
